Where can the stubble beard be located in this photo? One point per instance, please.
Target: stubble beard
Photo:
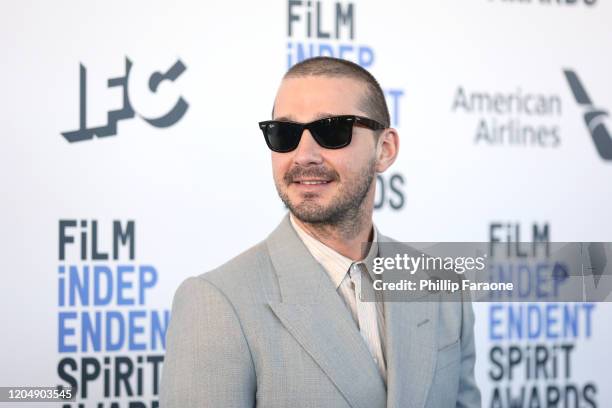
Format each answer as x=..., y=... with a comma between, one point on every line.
x=345, y=213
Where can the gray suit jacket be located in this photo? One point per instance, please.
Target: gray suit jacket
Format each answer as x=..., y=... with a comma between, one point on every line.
x=268, y=329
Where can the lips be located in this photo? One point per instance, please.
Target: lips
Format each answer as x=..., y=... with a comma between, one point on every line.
x=312, y=182
x=310, y=178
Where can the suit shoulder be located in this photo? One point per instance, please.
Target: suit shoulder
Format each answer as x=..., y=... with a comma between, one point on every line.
x=244, y=271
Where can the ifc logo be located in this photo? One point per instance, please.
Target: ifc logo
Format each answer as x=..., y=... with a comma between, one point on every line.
x=126, y=111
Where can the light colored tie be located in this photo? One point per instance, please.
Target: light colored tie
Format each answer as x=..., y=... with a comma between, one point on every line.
x=367, y=315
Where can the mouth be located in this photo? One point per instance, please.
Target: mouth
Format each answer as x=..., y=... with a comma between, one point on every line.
x=312, y=182
x=312, y=186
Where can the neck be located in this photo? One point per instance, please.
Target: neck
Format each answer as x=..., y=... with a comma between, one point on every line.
x=346, y=237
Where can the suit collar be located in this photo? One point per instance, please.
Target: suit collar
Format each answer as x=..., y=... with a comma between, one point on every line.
x=318, y=319
x=316, y=316
x=335, y=264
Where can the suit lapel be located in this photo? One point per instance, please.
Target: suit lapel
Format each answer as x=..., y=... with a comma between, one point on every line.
x=410, y=342
x=313, y=312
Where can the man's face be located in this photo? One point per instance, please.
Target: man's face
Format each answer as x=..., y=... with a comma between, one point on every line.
x=320, y=185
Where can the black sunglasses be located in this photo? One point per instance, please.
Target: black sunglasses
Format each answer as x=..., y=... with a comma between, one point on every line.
x=331, y=133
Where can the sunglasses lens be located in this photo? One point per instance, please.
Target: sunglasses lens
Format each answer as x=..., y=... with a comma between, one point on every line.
x=281, y=136
x=332, y=133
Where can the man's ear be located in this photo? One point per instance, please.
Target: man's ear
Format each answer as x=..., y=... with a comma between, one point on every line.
x=387, y=149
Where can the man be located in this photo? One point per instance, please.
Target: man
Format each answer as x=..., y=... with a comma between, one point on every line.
x=283, y=324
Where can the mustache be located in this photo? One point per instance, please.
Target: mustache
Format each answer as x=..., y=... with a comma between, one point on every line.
x=299, y=172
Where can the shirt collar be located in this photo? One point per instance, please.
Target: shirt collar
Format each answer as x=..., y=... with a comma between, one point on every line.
x=335, y=264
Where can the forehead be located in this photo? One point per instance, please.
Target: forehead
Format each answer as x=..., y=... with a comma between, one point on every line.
x=308, y=98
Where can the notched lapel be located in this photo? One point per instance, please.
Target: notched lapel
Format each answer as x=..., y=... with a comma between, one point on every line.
x=318, y=319
x=333, y=344
x=410, y=343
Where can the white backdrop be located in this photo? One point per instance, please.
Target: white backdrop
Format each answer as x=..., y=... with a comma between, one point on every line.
x=200, y=190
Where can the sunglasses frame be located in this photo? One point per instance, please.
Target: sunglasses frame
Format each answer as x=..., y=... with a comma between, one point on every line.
x=353, y=119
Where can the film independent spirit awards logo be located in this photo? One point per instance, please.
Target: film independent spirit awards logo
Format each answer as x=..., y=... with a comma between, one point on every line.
x=126, y=111
x=593, y=116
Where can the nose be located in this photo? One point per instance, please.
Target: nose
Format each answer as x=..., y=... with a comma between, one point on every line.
x=308, y=151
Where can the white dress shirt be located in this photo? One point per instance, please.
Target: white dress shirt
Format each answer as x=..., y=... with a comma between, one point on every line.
x=348, y=277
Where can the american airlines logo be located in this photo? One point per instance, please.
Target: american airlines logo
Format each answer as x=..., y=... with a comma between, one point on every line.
x=593, y=116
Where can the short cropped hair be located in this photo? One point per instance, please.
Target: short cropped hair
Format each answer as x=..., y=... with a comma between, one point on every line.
x=373, y=102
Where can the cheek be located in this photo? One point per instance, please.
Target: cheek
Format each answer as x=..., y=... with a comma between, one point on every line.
x=345, y=165
x=280, y=165
x=349, y=161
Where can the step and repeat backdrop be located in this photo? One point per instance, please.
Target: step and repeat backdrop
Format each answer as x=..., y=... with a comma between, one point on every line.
x=131, y=159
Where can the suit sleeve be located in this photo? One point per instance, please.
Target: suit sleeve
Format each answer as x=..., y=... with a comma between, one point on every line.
x=208, y=362
x=469, y=394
